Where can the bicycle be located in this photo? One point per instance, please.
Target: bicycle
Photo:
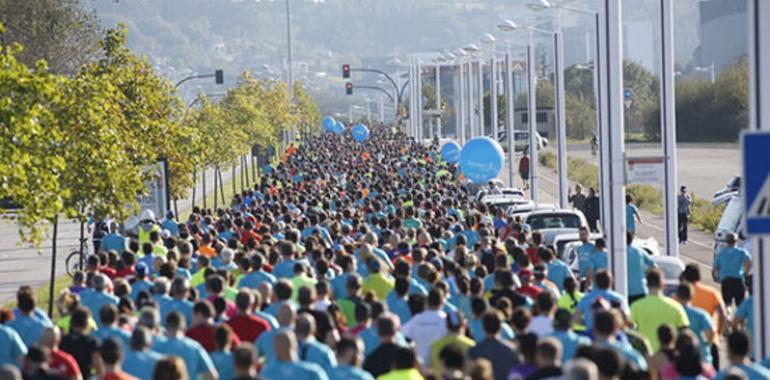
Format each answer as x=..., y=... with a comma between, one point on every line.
x=73, y=264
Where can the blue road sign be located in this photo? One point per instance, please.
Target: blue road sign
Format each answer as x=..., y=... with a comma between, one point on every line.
x=756, y=180
x=628, y=94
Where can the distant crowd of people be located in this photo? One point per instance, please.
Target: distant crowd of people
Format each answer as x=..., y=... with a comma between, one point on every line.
x=371, y=260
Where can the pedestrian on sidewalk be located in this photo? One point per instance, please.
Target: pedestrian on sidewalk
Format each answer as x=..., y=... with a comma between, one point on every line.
x=577, y=199
x=632, y=215
x=524, y=170
x=684, y=202
x=591, y=209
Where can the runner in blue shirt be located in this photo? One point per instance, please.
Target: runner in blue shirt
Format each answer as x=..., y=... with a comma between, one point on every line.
x=310, y=350
x=12, y=348
x=108, y=315
x=27, y=325
x=349, y=354
x=286, y=365
x=601, y=290
x=638, y=262
x=632, y=214
x=196, y=359
x=223, y=357
x=732, y=264
x=140, y=360
x=738, y=350
x=256, y=275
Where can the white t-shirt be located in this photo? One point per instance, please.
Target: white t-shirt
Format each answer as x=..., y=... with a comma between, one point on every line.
x=541, y=326
x=424, y=329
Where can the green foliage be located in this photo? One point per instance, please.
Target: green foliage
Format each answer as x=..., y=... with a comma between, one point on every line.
x=705, y=215
x=30, y=134
x=708, y=111
x=308, y=115
x=647, y=197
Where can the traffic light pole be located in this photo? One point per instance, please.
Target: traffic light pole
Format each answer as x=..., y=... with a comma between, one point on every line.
x=392, y=81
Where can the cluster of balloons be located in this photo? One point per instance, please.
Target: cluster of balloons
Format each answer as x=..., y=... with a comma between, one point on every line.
x=359, y=131
x=333, y=126
x=481, y=159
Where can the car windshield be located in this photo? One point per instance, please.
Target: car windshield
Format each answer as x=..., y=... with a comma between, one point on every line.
x=732, y=215
x=547, y=221
x=561, y=244
x=670, y=270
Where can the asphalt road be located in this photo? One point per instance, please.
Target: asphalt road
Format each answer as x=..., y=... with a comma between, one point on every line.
x=21, y=264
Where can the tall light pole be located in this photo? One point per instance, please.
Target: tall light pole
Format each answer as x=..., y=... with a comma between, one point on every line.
x=438, y=100
x=509, y=26
x=601, y=133
x=668, y=124
x=532, y=118
x=491, y=40
x=616, y=223
x=472, y=50
x=759, y=114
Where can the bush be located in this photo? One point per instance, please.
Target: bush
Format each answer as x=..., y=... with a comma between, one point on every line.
x=705, y=215
x=647, y=197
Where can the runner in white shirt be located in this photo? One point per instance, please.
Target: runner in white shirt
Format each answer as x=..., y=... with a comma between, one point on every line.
x=427, y=327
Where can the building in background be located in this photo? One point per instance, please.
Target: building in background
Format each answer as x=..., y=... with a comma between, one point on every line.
x=718, y=47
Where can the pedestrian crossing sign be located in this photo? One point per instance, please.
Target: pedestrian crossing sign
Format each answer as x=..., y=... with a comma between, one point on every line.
x=756, y=182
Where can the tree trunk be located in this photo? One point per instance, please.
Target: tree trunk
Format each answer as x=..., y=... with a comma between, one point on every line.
x=216, y=189
x=53, y=266
x=203, y=189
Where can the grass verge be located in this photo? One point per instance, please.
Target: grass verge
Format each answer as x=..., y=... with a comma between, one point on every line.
x=42, y=296
x=705, y=215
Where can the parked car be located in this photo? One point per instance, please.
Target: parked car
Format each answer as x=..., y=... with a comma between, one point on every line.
x=7, y=204
x=525, y=209
x=552, y=223
x=504, y=201
x=520, y=140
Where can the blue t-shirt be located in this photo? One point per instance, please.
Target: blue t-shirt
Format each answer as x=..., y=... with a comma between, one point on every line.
x=107, y=332
x=557, y=272
x=599, y=261
x=746, y=312
x=94, y=301
x=570, y=343
x=638, y=262
x=12, y=347
x=264, y=344
x=631, y=211
x=254, y=278
x=700, y=322
x=730, y=262
x=171, y=226
x=267, y=317
x=584, y=253
x=318, y=353
x=113, y=242
x=140, y=364
x=752, y=371
x=339, y=286
x=223, y=361
x=29, y=328
x=278, y=370
x=584, y=305
x=194, y=355
x=140, y=286
x=184, y=307
x=350, y=373
x=398, y=306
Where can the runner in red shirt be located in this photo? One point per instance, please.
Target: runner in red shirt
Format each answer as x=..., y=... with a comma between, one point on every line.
x=247, y=327
x=202, y=330
x=60, y=362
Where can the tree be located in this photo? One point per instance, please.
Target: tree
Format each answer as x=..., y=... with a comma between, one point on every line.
x=308, y=116
x=61, y=32
x=29, y=136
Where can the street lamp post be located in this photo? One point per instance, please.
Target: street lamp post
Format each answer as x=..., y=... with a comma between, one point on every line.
x=492, y=41
x=532, y=118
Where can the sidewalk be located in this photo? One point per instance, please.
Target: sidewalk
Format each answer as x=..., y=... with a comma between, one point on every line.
x=23, y=265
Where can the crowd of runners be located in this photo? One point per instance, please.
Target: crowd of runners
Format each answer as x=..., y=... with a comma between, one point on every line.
x=371, y=260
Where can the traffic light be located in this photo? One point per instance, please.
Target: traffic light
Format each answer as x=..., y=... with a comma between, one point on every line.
x=219, y=77
x=345, y=71
x=349, y=88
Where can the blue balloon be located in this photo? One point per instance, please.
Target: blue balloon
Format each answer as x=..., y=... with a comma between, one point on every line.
x=329, y=123
x=481, y=159
x=339, y=128
x=360, y=132
x=450, y=152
